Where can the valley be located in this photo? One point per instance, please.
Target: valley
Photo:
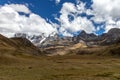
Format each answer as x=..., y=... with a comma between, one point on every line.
x=59, y=39
x=21, y=59
x=69, y=67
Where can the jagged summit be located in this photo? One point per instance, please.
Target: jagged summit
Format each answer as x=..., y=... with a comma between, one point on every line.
x=111, y=37
x=85, y=36
x=23, y=43
x=83, y=32
x=54, y=39
x=44, y=41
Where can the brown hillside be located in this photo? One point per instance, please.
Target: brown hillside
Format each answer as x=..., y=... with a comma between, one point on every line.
x=25, y=46
x=6, y=43
x=17, y=45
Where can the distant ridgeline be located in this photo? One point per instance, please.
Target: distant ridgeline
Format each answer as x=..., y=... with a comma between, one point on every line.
x=113, y=36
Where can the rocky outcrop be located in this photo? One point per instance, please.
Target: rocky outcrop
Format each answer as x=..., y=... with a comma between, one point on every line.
x=113, y=36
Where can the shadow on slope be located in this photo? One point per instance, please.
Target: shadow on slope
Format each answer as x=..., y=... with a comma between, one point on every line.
x=111, y=50
x=17, y=46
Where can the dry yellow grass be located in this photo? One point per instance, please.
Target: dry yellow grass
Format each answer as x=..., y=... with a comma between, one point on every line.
x=69, y=67
x=19, y=64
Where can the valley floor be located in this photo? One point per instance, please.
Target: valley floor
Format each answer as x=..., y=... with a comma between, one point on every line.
x=70, y=67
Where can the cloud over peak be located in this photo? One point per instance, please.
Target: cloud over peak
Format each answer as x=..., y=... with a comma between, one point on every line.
x=103, y=11
x=70, y=20
x=107, y=11
x=12, y=22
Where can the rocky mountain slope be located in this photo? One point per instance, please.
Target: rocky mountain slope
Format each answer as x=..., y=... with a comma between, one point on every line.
x=108, y=43
x=42, y=41
x=17, y=45
x=55, y=45
x=54, y=39
x=113, y=36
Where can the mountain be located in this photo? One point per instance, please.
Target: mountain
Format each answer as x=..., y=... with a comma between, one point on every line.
x=87, y=44
x=54, y=39
x=89, y=39
x=43, y=41
x=25, y=46
x=113, y=36
x=63, y=50
x=86, y=37
x=6, y=43
x=17, y=45
x=35, y=39
x=54, y=44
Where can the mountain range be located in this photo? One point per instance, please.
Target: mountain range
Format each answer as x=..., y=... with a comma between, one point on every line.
x=55, y=45
x=54, y=39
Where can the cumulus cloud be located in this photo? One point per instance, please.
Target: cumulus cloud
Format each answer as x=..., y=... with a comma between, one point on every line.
x=107, y=8
x=107, y=11
x=12, y=22
x=18, y=8
x=104, y=11
x=70, y=19
x=71, y=22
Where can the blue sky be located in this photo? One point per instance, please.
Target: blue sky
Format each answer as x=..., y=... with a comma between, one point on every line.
x=66, y=17
x=44, y=8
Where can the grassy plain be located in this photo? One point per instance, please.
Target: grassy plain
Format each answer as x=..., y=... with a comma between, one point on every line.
x=67, y=67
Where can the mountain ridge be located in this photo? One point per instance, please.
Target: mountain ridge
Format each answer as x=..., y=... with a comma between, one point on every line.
x=41, y=41
x=54, y=45
x=17, y=45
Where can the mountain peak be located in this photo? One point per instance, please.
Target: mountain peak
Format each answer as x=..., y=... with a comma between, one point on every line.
x=114, y=30
x=83, y=32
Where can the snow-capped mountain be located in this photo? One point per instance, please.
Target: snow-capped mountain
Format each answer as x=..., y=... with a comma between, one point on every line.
x=45, y=41
x=55, y=40
x=35, y=39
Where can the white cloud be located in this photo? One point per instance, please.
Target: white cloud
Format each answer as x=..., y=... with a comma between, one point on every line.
x=107, y=11
x=58, y=1
x=18, y=8
x=112, y=24
x=104, y=11
x=107, y=8
x=12, y=22
x=77, y=23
